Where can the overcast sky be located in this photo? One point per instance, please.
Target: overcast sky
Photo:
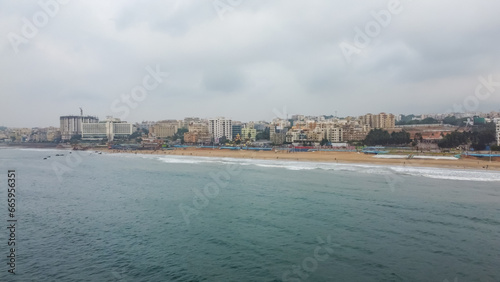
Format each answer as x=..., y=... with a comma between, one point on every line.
x=245, y=60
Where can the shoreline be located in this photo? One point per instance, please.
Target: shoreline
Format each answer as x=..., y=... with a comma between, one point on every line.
x=324, y=157
x=319, y=156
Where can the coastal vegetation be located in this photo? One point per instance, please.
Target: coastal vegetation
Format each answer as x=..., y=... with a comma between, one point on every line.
x=382, y=137
x=409, y=120
x=478, y=137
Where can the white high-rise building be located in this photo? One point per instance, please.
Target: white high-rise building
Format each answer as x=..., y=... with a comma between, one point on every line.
x=72, y=125
x=220, y=127
x=498, y=133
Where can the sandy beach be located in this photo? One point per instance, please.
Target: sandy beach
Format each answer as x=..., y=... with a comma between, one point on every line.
x=338, y=157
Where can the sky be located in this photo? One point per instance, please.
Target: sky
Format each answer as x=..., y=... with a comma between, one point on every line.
x=245, y=60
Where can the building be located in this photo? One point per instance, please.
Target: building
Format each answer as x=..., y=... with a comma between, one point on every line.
x=164, y=129
x=197, y=133
x=355, y=132
x=277, y=136
x=53, y=134
x=220, y=127
x=145, y=124
x=381, y=120
x=301, y=137
x=236, y=130
x=498, y=133
x=111, y=128
x=334, y=135
x=72, y=125
x=248, y=133
x=20, y=134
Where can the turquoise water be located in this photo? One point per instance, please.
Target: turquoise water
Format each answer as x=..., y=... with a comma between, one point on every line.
x=91, y=217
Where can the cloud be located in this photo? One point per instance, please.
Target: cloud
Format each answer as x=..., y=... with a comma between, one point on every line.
x=263, y=55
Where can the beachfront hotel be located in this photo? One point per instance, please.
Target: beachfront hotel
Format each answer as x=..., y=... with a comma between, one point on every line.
x=111, y=128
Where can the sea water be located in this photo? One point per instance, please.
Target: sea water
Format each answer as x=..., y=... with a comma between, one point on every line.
x=86, y=216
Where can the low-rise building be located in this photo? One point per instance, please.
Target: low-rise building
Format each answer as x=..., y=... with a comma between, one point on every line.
x=248, y=133
x=334, y=135
x=164, y=129
x=277, y=136
x=198, y=133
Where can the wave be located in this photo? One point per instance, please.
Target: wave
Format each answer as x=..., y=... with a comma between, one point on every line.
x=391, y=156
x=42, y=149
x=436, y=158
x=436, y=173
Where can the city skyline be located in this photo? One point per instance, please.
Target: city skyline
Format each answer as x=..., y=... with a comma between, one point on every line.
x=205, y=60
x=278, y=116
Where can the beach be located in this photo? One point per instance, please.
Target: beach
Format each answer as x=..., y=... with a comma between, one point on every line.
x=322, y=156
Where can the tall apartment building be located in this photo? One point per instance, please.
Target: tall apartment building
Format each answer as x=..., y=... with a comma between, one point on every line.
x=72, y=125
x=381, y=120
x=110, y=129
x=498, y=133
x=220, y=127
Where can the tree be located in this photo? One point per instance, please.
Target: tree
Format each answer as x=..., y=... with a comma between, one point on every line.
x=324, y=141
x=419, y=137
x=223, y=140
x=409, y=120
x=135, y=135
x=454, y=139
x=480, y=137
x=180, y=134
x=264, y=135
x=400, y=138
x=382, y=137
x=377, y=137
x=452, y=120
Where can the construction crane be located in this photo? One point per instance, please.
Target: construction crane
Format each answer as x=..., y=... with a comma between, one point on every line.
x=81, y=111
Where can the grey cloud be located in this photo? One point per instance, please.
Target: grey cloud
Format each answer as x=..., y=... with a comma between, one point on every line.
x=278, y=53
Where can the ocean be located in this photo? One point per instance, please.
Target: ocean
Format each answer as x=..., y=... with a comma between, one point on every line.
x=124, y=217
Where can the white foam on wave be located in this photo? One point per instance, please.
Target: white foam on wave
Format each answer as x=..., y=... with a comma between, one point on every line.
x=449, y=174
x=39, y=149
x=391, y=156
x=436, y=158
x=436, y=173
x=42, y=149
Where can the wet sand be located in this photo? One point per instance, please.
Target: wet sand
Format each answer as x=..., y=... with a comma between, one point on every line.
x=338, y=157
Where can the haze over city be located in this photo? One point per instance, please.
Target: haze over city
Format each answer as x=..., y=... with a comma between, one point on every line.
x=245, y=60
